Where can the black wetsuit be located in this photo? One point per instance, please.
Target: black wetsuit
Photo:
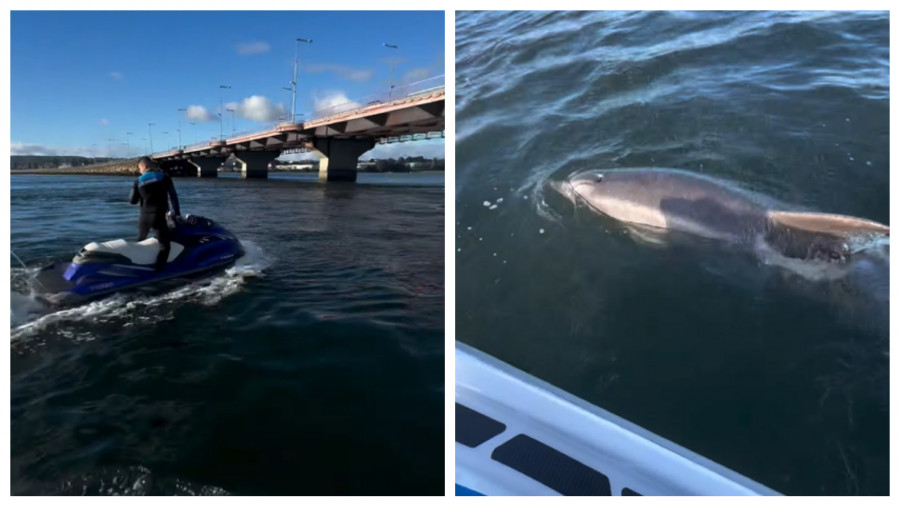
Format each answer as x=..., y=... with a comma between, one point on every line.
x=152, y=190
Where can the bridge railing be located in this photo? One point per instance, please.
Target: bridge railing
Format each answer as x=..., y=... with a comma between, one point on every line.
x=398, y=92
x=401, y=92
x=268, y=127
x=199, y=145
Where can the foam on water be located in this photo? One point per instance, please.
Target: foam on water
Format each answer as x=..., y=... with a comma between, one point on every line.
x=133, y=480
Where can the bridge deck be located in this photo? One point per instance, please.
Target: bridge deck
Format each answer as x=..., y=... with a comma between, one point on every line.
x=419, y=112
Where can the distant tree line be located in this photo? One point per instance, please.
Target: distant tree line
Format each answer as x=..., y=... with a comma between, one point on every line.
x=407, y=164
x=24, y=162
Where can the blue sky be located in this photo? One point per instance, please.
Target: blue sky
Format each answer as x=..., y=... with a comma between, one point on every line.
x=79, y=79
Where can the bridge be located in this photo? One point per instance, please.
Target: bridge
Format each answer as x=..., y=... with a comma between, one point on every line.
x=337, y=135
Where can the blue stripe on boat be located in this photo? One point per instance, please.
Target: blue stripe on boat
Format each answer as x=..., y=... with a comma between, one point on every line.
x=461, y=490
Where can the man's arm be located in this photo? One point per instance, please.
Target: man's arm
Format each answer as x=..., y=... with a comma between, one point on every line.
x=135, y=194
x=174, y=196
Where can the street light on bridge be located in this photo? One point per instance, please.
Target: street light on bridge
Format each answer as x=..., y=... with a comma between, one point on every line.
x=221, y=87
x=128, y=142
x=290, y=90
x=150, y=129
x=294, y=81
x=393, y=64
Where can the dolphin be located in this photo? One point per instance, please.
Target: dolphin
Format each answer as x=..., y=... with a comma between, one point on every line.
x=654, y=202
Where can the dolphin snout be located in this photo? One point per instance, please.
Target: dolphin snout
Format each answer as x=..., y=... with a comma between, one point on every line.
x=564, y=188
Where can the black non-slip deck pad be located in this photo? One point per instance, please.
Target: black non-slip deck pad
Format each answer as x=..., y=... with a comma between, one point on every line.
x=473, y=428
x=551, y=467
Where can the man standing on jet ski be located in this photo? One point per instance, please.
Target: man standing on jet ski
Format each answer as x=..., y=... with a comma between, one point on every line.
x=152, y=190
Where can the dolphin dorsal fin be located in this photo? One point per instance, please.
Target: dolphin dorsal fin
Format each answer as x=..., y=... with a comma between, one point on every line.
x=832, y=224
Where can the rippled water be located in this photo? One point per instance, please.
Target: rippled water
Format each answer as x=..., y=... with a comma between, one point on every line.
x=314, y=366
x=776, y=377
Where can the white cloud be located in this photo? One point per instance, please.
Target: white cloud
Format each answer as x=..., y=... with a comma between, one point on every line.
x=252, y=47
x=116, y=150
x=342, y=71
x=257, y=108
x=333, y=102
x=104, y=121
x=198, y=113
x=20, y=148
x=116, y=75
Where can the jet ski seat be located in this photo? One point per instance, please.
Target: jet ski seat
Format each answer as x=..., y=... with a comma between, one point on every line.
x=140, y=253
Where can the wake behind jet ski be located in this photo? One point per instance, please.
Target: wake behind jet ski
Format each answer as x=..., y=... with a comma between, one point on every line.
x=199, y=247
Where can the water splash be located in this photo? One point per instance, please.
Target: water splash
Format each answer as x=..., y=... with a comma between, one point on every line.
x=133, y=480
x=29, y=317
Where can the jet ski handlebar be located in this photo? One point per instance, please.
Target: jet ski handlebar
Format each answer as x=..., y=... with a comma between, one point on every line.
x=187, y=219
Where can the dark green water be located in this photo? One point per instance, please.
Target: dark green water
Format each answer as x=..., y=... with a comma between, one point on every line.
x=781, y=379
x=315, y=366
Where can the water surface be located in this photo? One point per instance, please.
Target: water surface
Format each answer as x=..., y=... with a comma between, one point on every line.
x=314, y=366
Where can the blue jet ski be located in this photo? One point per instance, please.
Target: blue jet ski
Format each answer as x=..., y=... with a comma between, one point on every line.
x=199, y=247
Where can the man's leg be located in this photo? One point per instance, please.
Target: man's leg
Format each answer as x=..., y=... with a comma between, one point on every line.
x=165, y=241
x=144, y=223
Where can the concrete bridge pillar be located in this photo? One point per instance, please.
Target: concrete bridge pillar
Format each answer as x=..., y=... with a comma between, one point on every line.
x=206, y=166
x=338, y=157
x=255, y=163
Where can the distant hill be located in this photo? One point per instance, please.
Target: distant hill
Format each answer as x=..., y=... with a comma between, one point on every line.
x=21, y=162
